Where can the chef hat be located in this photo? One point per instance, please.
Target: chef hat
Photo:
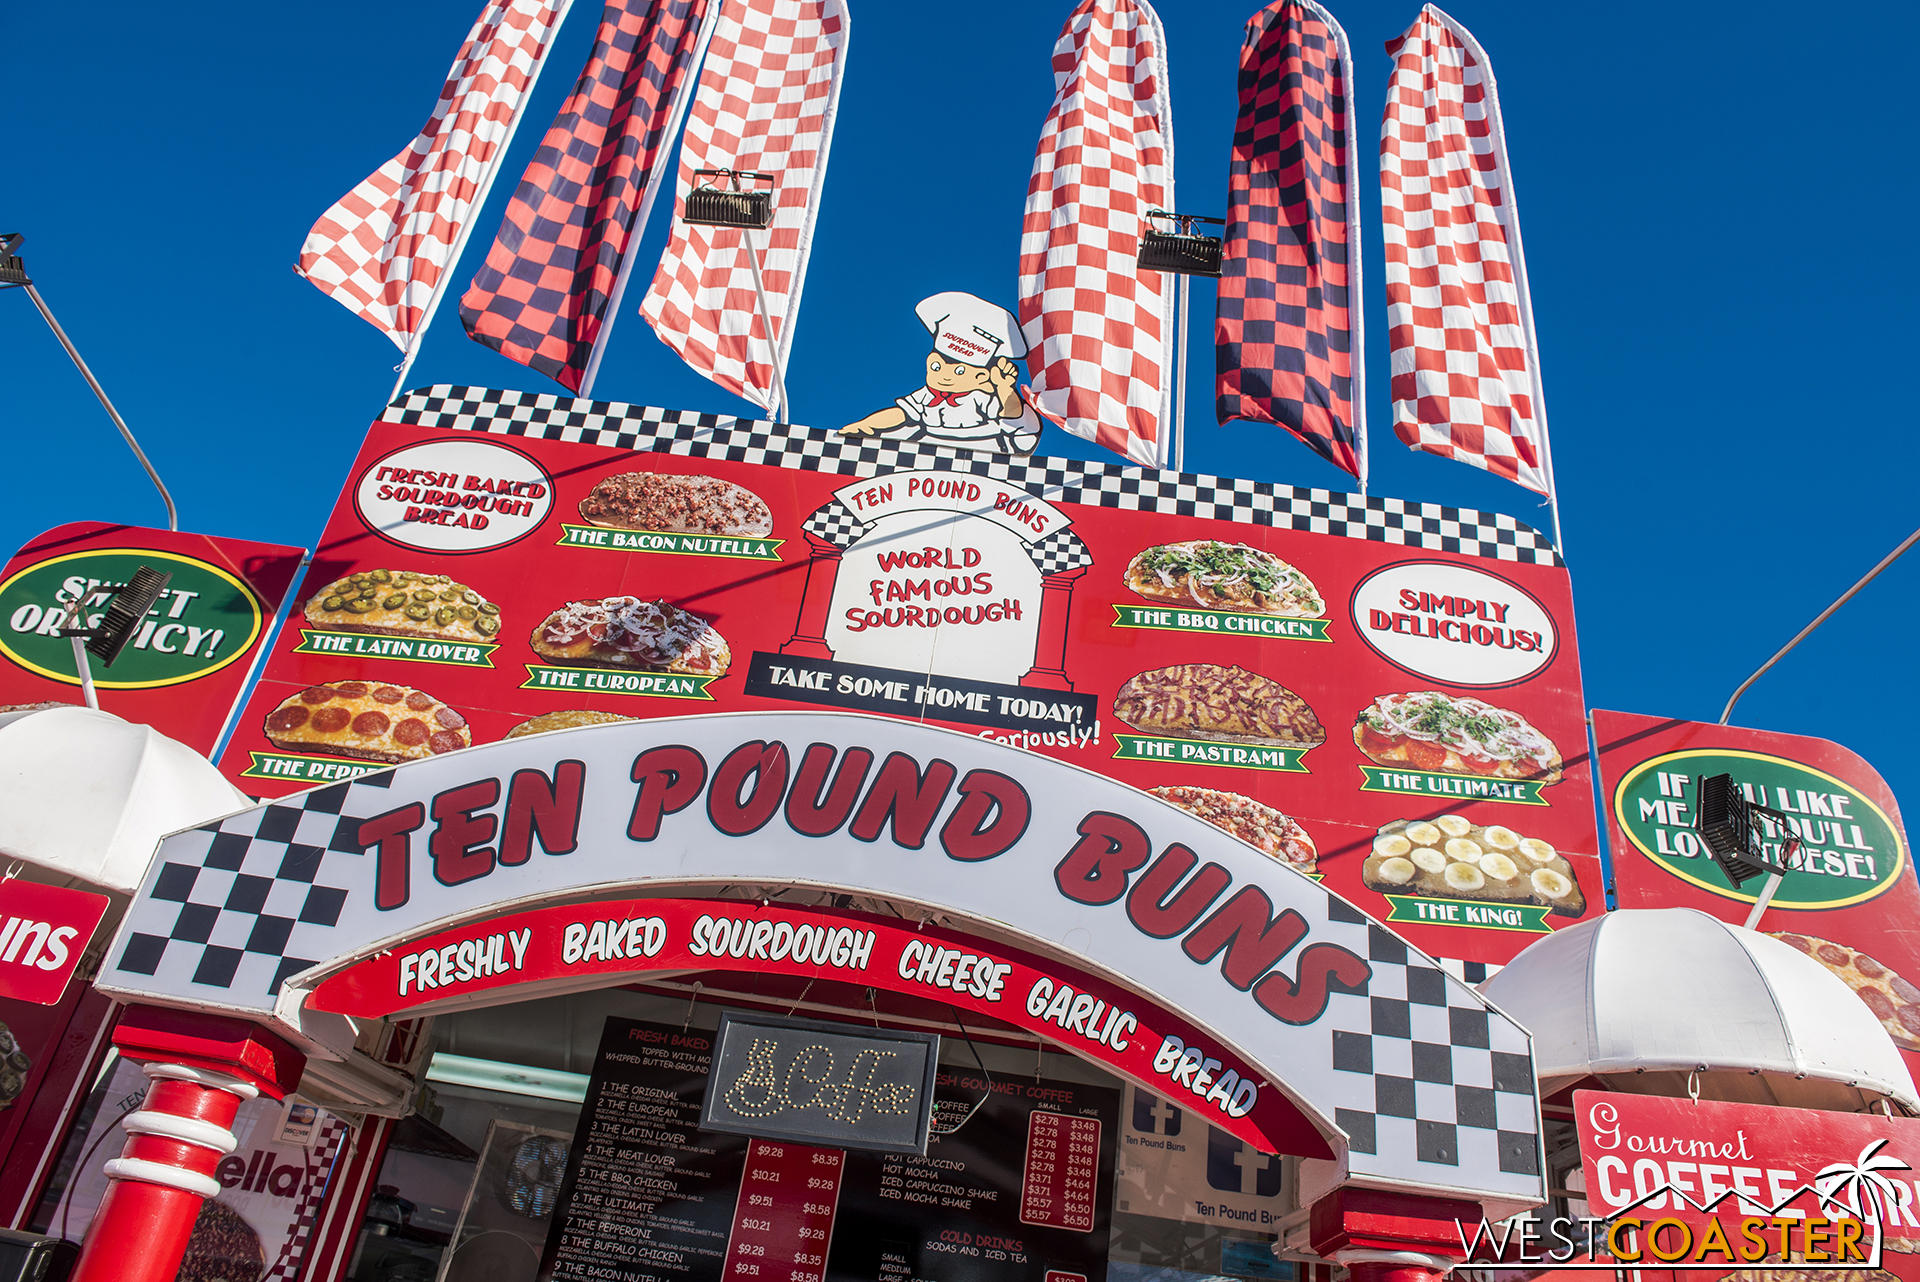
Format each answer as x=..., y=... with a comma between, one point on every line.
x=971, y=330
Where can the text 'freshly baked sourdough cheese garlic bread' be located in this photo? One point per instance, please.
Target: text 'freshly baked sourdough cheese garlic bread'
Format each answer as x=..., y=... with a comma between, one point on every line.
x=1454, y=734
x=676, y=505
x=1224, y=576
x=1260, y=826
x=1208, y=701
x=628, y=632
x=368, y=720
x=1454, y=858
x=403, y=603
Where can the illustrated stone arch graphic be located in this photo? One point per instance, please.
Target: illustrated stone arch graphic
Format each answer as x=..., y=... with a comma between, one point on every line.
x=1404, y=1073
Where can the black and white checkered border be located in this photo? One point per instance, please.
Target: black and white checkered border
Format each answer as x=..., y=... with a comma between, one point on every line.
x=1059, y=552
x=835, y=523
x=334, y=1131
x=546, y=416
x=1434, y=1072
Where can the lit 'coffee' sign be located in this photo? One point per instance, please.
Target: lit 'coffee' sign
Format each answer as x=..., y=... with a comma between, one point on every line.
x=834, y=1085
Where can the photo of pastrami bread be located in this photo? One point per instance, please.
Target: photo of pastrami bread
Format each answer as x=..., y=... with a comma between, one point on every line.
x=369, y=720
x=632, y=633
x=1209, y=701
x=671, y=504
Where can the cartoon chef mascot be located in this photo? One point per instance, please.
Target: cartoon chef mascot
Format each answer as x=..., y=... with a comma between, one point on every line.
x=970, y=400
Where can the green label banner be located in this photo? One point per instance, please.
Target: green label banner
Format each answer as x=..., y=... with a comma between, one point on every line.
x=1198, y=752
x=281, y=765
x=658, y=685
x=1529, y=918
x=1220, y=623
x=203, y=621
x=458, y=654
x=1850, y=850
x=1425, y=783
x=743, y=549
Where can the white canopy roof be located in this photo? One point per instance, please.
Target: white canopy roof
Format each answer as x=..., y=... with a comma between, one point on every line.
x=85, y=794
x=1642, y=998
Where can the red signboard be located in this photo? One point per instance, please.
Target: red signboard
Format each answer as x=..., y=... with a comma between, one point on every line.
x=190, y=658
x=783, y=1222
x=1057, y=1182
x=43, y=932
x=1376, y=706
x=1738, y=1184
x=1850, y=899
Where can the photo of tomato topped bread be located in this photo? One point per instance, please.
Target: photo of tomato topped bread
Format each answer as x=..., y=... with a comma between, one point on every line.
x=1451, y=857
x=1454, y=734
x=368, y=720
x=628, y=632
x=404, y=603
x=1273, y=834
x=1223, y=576
x=676, y=505
x=1894, y=1001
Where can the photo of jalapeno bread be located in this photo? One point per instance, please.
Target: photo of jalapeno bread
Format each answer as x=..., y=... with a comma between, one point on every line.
x=405, y=603
x=1452, y=857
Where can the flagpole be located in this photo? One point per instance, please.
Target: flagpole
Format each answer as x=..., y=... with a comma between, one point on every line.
x=676, y=114
x=784, y=412
x=1180, y=380
x=479, y=205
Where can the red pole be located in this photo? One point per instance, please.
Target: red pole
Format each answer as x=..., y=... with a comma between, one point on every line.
x=1402, y=1266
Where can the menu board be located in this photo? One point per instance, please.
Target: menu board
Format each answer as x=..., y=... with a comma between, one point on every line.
x=1011, y=1193
x=1380, y=708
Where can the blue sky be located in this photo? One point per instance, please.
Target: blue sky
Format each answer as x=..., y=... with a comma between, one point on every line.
x=1717, y=203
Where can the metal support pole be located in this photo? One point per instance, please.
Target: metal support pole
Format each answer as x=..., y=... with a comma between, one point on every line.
x=173, y=516
x=1180, y=381
x=782, y=411
x=76, y=616
x=1766, y=897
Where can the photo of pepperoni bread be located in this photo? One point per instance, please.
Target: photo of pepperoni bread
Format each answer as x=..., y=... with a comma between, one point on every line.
x=1454, y=734
x=368, y=720
x=1208, y=701
x=1893, y=1001
x=403, y=603
x=1224, y=576
x=567, y=720
x=627, y=632
x=1452, y=857
x=676, y=505
x=1273, y=834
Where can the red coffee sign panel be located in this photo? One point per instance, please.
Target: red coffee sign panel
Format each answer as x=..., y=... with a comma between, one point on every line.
x=43, y=932
x=1403, y=719
x=188, y=660
x=1849, y=898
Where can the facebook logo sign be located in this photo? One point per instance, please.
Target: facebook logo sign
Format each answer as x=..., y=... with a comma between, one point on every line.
x=1234, y=1167
x=1153, y=1115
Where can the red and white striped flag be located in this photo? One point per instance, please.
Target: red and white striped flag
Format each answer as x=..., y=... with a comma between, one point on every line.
x=765, y=104
x=1098, y=327
x=1466, y=366
x=382, y=249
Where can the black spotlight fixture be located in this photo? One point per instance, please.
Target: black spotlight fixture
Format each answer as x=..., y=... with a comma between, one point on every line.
x=1181, y=250
x=713, y=205
x=12, y=270
x=1724, y=822
x=130, y=603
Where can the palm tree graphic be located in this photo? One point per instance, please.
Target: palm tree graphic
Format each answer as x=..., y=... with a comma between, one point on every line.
x=1862, y=1173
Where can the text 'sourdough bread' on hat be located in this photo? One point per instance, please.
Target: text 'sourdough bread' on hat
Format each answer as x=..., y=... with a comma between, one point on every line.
x=971, y=330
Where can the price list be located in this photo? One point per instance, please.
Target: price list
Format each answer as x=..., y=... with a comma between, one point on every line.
x=1063, y=1159
x=783, y=1224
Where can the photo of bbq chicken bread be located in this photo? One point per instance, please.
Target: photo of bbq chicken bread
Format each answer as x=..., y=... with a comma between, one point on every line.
x=1454, y=734
x=628, y=632
x=1208, y=701
x=1223, y=576
x=1452, y=857
x=369, y=720
x=676, y=505
x=1273, y=834
x=404, y=603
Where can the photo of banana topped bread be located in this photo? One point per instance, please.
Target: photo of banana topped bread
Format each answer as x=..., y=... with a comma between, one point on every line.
x=1452, y=857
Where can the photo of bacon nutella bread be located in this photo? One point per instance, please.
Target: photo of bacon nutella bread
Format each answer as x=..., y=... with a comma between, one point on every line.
x=368, y=720
x=676, y=505
x=1454, y=858
x=1262, y=827
x=404, y=603
x=1208, y=701
x=1223, y=576
x=1454, y=734
x=567, y=720
x=1894, y=1001
x=628, y=632
x=14, y=1068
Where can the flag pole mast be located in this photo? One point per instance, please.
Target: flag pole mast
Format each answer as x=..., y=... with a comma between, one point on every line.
x=1180, y=381
x=461, y=237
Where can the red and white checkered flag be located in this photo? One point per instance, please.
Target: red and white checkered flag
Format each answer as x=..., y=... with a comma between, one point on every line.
x=381, y=250
x=765, y=104
x=1466, y=366
x=1098, y=327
